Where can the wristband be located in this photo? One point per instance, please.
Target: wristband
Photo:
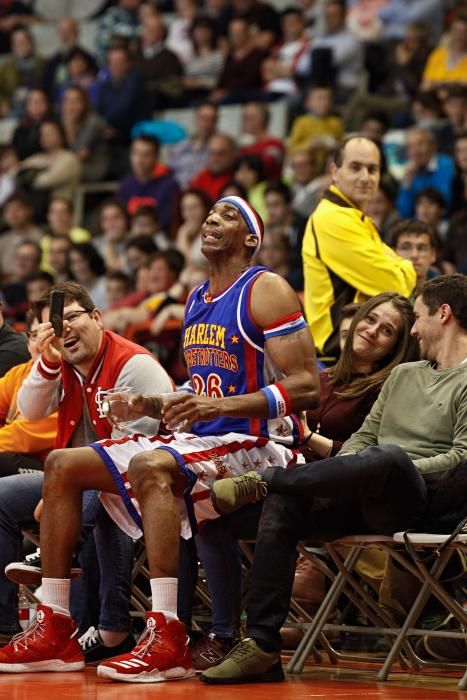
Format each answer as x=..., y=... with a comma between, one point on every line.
x=278, y=400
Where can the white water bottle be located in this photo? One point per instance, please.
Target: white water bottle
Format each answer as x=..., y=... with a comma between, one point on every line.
x=24, y=608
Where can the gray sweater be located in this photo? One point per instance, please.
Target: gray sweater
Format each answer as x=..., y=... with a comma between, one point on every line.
x=424, y=411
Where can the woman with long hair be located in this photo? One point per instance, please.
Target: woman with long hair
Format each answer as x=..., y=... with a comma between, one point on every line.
x=85, y=133
x=378, y=340
x=88, y=269
x=203, y=69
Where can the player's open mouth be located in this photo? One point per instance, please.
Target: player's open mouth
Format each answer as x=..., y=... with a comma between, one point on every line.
x=70, y=343
x=211, y=235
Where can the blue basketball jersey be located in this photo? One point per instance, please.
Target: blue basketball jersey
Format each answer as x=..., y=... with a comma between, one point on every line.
x=225, y=355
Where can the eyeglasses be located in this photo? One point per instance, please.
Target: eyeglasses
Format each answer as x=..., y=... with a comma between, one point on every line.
x=74, y=316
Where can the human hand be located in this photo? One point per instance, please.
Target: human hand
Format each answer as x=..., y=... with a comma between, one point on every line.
x=47, y=342
x=122, y=406
x=181, y=409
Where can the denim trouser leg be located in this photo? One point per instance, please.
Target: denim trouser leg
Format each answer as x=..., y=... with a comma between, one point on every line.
x=19, y=495
x=218, y=550
x=114, y=551
x=378, y=489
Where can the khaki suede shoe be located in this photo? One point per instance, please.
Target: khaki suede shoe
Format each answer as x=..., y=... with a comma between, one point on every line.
x=246, y=663
x=233, y=493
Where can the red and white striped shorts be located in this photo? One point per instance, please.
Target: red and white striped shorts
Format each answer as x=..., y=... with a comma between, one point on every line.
x=201, y=459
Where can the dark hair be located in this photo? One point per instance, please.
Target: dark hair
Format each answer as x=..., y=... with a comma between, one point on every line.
x=152, y=141
x=348, y=311
x=116, y=204
x=292, y=10
x=456, y=91
x=120, y=43
x=433, y=195
x=429, y=100
x=24, y=30
x=206, y=23
x=406, y=348
x=318, y=86
x=41, y=275
x=118, y=276
x=90, y=61
x=253, y=162
x=233, y=183
x=446, y=289
x=143, y=243
x=149, y=211
x=338, y=155
x=64, y=200
x=413, y=227
x=57, y=125
x=174, y=259
x=459, y=15
x=18, y=197
x=376, y=116
x=263, y=110
x=388, y=187
x=29, y=320
x=203, y=197
x=84, y=97
x=61, y=237
x=281, y=189
x=32, y=244
x=92, y=256
x=37, y=88
x=72, y=291
x=207, y=103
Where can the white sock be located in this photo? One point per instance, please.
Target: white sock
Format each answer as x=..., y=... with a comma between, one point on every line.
x=164, y=596
x=56, y=594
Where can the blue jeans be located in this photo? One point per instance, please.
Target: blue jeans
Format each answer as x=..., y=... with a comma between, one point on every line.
x=19, y=495
x=219, y=553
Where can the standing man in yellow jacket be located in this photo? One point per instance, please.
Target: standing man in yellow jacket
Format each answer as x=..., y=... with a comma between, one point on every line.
x=344, y=258
x=24, y=444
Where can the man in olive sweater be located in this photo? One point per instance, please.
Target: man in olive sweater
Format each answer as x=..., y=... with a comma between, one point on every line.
x=415, y=435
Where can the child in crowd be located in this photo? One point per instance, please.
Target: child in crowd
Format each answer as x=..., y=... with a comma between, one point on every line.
x=320, y=128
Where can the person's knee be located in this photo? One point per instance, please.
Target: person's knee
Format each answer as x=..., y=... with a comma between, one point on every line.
x=149, y=470
x=58, y=468
x=281, y=513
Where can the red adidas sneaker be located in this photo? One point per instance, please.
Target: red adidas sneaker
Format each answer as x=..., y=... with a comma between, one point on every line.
x=49, y=644
x=162, y=654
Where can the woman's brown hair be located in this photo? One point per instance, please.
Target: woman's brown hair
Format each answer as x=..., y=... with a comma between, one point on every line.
x=405, y=348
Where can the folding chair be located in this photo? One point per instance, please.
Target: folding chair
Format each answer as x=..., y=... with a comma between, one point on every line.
x=345, y=553
x=429, y=571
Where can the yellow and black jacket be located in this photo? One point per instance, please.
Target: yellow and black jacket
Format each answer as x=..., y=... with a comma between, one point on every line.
x=345, y=260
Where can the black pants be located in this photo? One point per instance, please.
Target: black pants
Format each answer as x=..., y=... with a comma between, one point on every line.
x=16, y=463
x=378, y=490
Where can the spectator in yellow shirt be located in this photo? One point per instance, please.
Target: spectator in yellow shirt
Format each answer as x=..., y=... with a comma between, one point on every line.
x=320, y=129
x=448, y=64
x=24, y=444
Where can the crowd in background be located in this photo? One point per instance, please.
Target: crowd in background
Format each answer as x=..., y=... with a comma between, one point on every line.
x=393, y=70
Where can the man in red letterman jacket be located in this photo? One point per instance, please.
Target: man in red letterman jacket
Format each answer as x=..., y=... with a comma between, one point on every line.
x=73, y=375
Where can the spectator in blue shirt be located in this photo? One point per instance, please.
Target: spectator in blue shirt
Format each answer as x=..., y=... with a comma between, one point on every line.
x=425, y=168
